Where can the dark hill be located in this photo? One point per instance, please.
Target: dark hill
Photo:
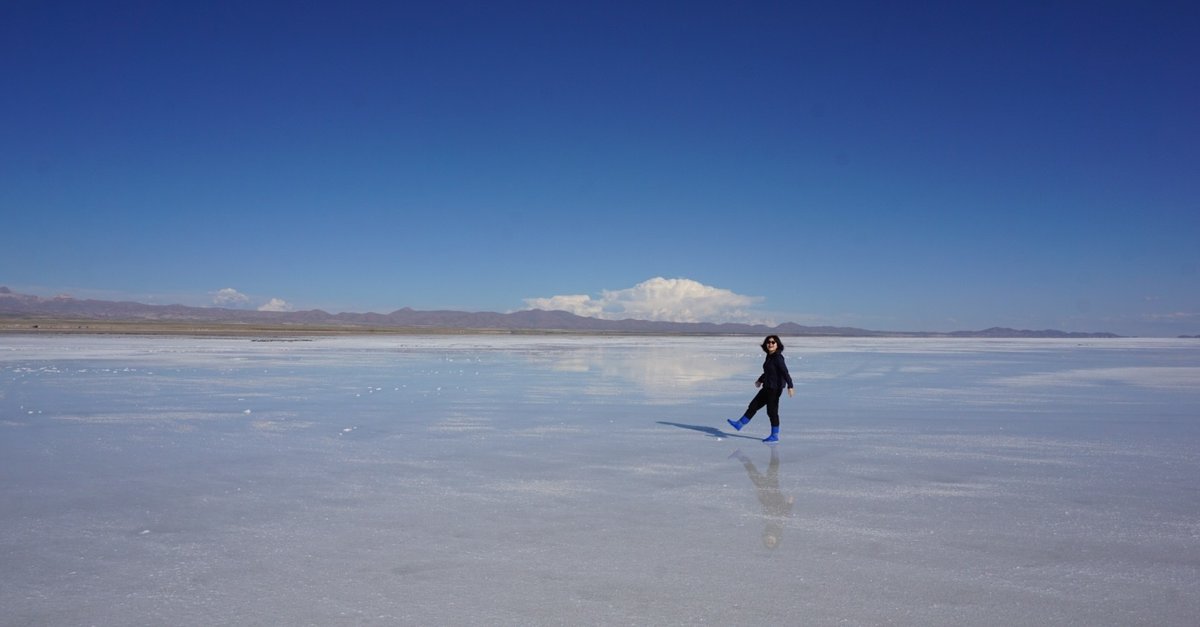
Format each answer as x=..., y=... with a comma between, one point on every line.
x=24, y=306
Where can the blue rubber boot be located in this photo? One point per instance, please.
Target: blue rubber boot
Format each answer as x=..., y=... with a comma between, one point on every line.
x=739, y=423
x=774, y=437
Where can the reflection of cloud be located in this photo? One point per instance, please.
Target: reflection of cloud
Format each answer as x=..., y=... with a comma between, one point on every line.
x=660, y=370
x=229, y=297
x=461, y=424
x=670, y=300
x=279, y=426
x=1174, y=316
x=540, y=487
x=667, y=368
x=1158, y=377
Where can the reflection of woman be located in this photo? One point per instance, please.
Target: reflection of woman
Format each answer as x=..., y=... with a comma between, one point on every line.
x=774, y=377
x=776, y=507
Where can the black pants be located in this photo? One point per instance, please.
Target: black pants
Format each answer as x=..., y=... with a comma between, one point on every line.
x=769, y=398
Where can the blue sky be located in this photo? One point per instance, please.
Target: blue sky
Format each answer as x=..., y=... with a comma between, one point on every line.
x=923, y=166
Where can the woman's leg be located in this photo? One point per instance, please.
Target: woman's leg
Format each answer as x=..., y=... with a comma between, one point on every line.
x=773, y=413
x=772, y=403
x=759, y=401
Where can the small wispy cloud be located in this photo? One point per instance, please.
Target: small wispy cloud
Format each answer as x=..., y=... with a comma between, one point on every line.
x=659, y=299
x=229, y=297
x=275, y=304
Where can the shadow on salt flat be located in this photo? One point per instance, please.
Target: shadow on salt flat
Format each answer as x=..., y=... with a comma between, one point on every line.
x=709, y=431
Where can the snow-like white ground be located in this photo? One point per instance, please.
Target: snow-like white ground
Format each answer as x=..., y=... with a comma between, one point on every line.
x=562, y=480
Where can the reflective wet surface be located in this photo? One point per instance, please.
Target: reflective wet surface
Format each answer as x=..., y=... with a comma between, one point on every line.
x=566, y=480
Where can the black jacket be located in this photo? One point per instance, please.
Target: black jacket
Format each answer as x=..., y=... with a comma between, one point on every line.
x=775, y=373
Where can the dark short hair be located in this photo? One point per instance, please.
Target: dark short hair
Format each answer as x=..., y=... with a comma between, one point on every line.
x=778, y=343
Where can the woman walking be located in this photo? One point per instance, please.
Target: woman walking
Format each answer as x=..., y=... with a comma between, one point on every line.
x=775, y=375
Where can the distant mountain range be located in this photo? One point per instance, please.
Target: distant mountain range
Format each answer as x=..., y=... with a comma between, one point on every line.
x=33, y=308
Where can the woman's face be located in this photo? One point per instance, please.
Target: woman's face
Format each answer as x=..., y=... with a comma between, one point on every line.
x=772, y=346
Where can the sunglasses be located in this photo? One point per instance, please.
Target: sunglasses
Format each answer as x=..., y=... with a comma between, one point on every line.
x=772, y=342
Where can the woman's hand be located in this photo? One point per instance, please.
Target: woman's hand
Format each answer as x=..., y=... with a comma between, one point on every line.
x=791, y=392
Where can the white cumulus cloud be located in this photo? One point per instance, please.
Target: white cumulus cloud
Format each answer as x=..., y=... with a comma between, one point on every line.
x=229, y=297
x=578, y=304
x=668, y=300
x=276, y=304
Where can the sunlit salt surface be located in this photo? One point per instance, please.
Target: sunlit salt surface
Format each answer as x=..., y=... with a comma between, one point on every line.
x=538, y=480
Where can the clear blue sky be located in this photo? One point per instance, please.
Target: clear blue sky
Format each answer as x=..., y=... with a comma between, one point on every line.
x=888, y=165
